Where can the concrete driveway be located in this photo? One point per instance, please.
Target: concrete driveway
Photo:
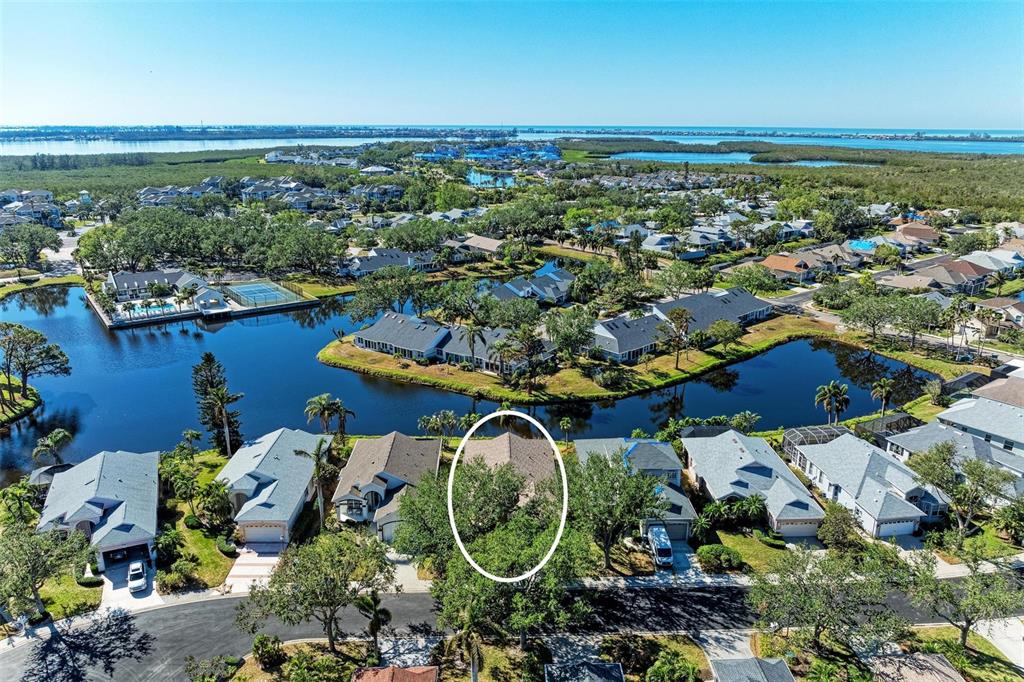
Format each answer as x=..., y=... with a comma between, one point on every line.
x=116, y=594
x=255, y=563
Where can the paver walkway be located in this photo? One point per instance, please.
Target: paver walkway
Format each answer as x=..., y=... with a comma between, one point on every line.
x=254, y=565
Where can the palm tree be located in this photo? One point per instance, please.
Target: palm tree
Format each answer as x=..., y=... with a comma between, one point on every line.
x=753, y=508
x=219, y=399
x=51, y=444
x=467, y=420
x=882, y=390
x=128, y=308
x=502, y=350
x=823, y=397
x=322, y=407
x=701, y=526
x=841, y=401
x=834, y=397
x=471, y=332
x=468, y=639
x=379, y=617
x=565, y=424
x=322, y=471
x=998, y=280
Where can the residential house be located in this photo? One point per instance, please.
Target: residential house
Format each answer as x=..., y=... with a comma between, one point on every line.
x=378, y=193
x=915, y=282
x=624, y=339
x=1010, y=309
x=405, y=335
x=1008, y=264
x=584, y=671
x=732, y=466
x=923, y=233
x=378, y=474
x=474, y=245
x=662, y=243
x=376, y=171
x=882, y=492
x=394, y=673
x=750, y=670
x=831, y=257
x=378, y=257
x=136, y=286
x=531, y=458
x=957, y=277
x=455, y=350
x=993, y=421
x=552, y=288
x=112, y=498
x=268, y=482
x=791, y=267
x=1009, y=390
x=734, y=305
x=654, y=458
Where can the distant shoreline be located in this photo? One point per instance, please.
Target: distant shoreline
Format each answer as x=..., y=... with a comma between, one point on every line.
x=213, y=133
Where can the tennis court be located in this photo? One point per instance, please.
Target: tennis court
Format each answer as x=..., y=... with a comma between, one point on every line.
x=255, y=294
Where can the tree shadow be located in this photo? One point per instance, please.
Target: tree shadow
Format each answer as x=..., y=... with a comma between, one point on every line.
x=71, y=652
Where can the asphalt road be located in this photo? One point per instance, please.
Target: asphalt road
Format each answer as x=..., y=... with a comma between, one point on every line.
x=152, y=645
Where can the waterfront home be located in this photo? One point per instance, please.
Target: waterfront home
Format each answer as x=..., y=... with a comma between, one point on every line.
x=734, y=305
x=998, y=260
x=968, y=447
x=750, y=670
x=378, y=257
x=789, y=267
x=112, y=498
x=584, y=671
x=394, y=673
x=1009, y=390
x=732, y=466
x=957, y=277
x=531, y=458
x=268, y=482
x=882, y=492
x=405, y=335
x=376, y=476
x=552, y=288
x=476, y=246
x=455, y=350
x=136, y=286
x=654, y=458
x=624, y=339
x=996, y=422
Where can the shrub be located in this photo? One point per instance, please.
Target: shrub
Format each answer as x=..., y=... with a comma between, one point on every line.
x=718, y=558
x=94, y=580
x=169, y=581
x=192, y=521
x=635, y=652
x=672, y=666
x=226, y=546
x=167, y=545
x=306, y=665
x=267, y=651
x=770, y=539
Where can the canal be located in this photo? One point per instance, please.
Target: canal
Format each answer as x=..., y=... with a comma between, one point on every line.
x=131, y=389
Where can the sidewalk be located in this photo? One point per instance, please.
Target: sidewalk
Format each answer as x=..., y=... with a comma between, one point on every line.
x=1007, y=634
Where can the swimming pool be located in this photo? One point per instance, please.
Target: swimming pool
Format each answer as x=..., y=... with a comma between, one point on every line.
x=863, y=245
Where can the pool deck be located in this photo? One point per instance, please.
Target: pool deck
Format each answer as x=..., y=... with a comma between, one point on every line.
x=230, y=311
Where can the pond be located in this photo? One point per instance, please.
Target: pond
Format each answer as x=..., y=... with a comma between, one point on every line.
x=480, y=179
x=131, y=389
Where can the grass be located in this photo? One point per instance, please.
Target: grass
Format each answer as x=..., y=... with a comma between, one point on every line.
x=626, y=561
x=63, y=597
x=556, y=251
x=22, y=406
x=923, y=408
x=1011, y=288
x=642, y=650
x=798, y=656
x=502, y=663
x=756, y=554
x=979, y=662
x=18, y=272
x=352, y=655
x=988, y=543
x=14, y=287
x=322, y=287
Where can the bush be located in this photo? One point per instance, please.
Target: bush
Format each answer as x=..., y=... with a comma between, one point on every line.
x=718, y=558
x=169, y=581
x=635, y=652
x=267, y=651
x=772, y=539
x=306, y=665
x=192, y=521
x=672, y=666
x=226, y=546
x=94, y=580
x=168, y=544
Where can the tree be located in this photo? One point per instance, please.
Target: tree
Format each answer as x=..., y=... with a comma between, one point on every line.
x=572, y=332
x=323, y=471
x=915, y=315
x=215, y=502
x=970, y=485
x=1009, y=520
x=882, y=390
x=322, y=407
x=755, y=279
x=834, y=397
x=838, y=530
x=378, y=617
x=470, y=333
x=725, y=332
x=565, y=423
x=17, y=499
x=28, y=353
x=836, y=595
x=981, y=595
x=869, y=312
x=673, y=666
x=208, y=375
x=744, y=421
x=23, y=243
x=528, y=349
x=611, y=499
x=441, y=423
x=317, y=581
x=674, y=333
x=218, y=400
x=998, y=280
x=31, y=558
x=51, y=444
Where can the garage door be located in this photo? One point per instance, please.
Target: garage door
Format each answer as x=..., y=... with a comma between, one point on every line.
x=798, y=530
x=888, y=530
x=677, y=531
x=264, y=533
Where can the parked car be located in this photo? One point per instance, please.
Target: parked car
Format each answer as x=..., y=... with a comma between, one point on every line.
x=137, y=578
x=661, y=546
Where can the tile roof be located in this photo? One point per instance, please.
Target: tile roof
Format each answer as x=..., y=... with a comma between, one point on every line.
x=392, y=673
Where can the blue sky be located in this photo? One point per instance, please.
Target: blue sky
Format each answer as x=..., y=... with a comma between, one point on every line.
x=856, y=64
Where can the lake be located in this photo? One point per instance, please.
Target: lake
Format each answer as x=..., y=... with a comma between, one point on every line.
x=131, y=389
x=728, y=157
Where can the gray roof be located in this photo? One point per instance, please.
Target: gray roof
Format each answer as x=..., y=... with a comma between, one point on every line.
x=875, y=480
x=624, y=334
x=583, y=671
x=457, y=342
x=751, y=670
x=530, y=457
x=396, y=454
x=273, y=478
x=1009, y=390
x=121, y=488
x=404, y=331
x=709, y=307
x=733, y=464
x=987, y=416
x=136, y=280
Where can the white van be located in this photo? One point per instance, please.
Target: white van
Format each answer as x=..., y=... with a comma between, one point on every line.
x=661, y=546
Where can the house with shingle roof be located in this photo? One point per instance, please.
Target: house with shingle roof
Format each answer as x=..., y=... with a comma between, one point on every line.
x=268, y=483
x=377, y=258
x=735, y=305
x=732, y=466
x=394, y=673
x=531, y=458
x=455, y=350
x=957, y=277
x=552, y=287
x=751, y=670
x=791, y=267
x=112, y=498
x=584, y=671
x=624, y=339
x=997, y=260
x=654, y=458
x=993, y=421
x=882, y=492
x=378, y=473
x=405, y=335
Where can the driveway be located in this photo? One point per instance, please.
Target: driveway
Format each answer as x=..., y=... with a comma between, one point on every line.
x=255, y=563
x=719, y=644
x=1007, y=634
x=116, y=594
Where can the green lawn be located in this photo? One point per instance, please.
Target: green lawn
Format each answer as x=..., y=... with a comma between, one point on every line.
x=21, y=407
x=18, y=272
x=64, y=597
x=923, y=409
x=213, y=566
x=13, y=288
x=502, y=663
x=1011, y=288
x=757, y=555
x=321, y=287
x=988, y=543
x=980, y=662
